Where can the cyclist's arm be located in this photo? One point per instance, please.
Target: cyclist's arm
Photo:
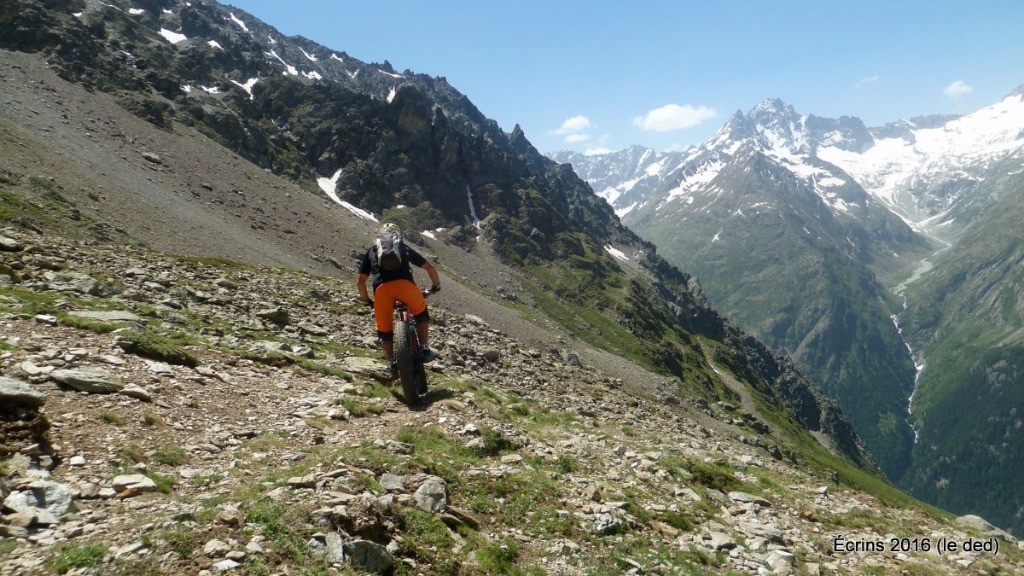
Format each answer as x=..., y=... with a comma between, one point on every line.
x=361, y=285
x=432, y=272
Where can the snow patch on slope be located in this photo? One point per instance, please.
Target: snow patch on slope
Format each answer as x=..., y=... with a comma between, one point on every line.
x=292, y=70
x=237, y=21
x=173, y=37
x=616, y=252
x=329, y=186
x=247, y=86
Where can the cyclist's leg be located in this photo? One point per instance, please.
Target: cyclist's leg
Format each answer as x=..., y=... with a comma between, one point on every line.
x=383, y=312
x=409, y=293
x=423, y=328
x=412, y=297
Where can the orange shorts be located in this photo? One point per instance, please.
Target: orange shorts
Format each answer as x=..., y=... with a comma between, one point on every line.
x=385, y=296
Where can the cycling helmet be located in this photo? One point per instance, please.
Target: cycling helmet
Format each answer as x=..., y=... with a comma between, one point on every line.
x=391, y=226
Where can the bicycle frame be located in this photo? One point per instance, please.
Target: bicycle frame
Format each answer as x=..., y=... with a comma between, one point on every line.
x=409, y=324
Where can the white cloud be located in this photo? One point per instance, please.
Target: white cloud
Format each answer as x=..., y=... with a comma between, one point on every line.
x=958, y=89
x=865, y=81
x=576, y=138
x=573, y=125
x=597, y=151
x=674, y=117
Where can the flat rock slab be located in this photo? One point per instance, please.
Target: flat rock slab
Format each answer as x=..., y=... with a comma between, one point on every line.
x=135, y=482
x=745, y=498
x=19, y=393
x=137, y=392
x=722, y=541
x=94, y=381
x=362, y=364
x=76, y=282
x=392, y=482
x=106, y=315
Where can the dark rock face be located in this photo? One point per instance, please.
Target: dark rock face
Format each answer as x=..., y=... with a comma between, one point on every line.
x=29, y=26
x=23, y=429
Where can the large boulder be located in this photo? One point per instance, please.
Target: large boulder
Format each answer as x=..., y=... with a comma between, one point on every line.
x=432, y=495
x=40, y=494
x=369, y=556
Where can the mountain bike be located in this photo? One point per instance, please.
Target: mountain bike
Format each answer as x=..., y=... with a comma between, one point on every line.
x=408, y=355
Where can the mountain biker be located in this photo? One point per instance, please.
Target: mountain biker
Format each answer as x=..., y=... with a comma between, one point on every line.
x=393, y=285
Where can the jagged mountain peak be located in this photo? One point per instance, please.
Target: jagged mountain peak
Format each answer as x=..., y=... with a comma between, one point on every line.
x=775, y=125
x=771, y=108
x=771, y=115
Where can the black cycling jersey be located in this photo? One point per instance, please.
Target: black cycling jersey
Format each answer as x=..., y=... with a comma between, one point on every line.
x=368, y=265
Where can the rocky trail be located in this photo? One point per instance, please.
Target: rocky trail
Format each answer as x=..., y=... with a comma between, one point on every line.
x=189, y=416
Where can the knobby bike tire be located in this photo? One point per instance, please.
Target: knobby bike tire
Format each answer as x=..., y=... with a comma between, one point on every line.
x=408, y=369
x=421, y=379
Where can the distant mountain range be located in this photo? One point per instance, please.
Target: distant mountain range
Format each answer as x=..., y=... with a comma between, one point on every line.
x=814, y=233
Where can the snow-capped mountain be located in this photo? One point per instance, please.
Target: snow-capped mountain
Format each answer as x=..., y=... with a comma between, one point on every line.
x=924, y=171
x=787, y=244
x=774, y=129
x=650, y=187
x=627, y=178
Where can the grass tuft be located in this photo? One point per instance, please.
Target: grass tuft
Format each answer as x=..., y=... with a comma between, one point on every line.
x=97, y=326
x=164, y=483
x=70, y=557
x=170, y=455
x=151, y=418
x=157, y=347
x=111, y=417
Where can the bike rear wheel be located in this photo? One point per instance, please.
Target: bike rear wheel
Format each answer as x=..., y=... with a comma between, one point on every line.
x=411, y=371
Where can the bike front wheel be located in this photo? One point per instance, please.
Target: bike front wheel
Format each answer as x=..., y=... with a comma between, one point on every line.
x=410, y=368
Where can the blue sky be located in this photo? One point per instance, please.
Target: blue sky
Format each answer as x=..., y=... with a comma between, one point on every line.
x=592, y=75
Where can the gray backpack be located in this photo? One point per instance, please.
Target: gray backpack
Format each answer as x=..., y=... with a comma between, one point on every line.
x=390, y=250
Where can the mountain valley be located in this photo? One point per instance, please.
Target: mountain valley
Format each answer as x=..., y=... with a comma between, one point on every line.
x=847, y=247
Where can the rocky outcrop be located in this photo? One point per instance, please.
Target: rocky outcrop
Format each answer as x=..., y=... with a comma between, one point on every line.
x=23, y=425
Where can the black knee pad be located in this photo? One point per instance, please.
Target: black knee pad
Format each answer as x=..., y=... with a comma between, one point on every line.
x=386, y=336
x=422, y=317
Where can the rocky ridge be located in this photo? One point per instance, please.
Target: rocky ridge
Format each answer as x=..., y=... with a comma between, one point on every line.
x=237, y=419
